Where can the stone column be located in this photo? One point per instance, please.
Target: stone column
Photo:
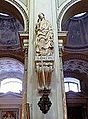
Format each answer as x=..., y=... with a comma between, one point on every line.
x=48, y=8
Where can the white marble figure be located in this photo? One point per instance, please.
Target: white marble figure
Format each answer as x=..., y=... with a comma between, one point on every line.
x=44, y=37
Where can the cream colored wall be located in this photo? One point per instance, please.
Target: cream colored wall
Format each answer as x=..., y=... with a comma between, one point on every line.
x=61, y=2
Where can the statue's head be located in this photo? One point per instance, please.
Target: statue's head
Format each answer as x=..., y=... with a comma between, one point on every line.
x=41, y=16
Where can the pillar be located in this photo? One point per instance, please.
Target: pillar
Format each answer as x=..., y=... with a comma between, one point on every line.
x=48, y=8
x=24, y=37
x=62, y=39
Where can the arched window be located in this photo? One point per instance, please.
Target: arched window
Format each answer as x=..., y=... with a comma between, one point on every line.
x=80, y=14
x=72, y=84
x=11, y=84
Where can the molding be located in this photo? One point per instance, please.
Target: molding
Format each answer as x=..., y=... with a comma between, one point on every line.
x=8, y=106
x=79, y=56
x=24, y=34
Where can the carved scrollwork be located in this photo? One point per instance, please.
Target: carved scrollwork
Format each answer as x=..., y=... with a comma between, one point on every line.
x=44, y=37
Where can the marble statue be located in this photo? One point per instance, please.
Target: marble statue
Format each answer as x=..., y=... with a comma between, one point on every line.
x=44, y=37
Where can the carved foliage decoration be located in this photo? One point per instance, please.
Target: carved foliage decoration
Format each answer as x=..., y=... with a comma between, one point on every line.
x=44, y=37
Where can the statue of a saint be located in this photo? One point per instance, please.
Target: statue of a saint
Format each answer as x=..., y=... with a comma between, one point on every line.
x=44, y=37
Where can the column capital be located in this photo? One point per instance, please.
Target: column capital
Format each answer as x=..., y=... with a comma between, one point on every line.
x=24, y=39
x=62, y=40
x=62, y=36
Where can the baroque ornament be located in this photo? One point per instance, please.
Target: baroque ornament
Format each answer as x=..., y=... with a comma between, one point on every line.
x=44, y=37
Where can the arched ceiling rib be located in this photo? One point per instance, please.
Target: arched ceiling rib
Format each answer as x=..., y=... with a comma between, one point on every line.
x=11, y=10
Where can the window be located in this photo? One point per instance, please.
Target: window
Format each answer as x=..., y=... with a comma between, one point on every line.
x=11, y=84
x=4, y=14
x=72, y=84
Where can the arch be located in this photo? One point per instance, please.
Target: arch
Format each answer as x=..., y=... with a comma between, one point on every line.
x=76, y=68
x=11, y=68
x=70, y=9
x=16, y=10
x=76, y=65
